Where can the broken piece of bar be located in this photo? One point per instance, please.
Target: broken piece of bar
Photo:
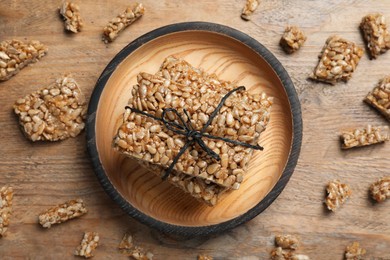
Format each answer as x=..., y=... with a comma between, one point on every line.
x=249, y=8
x=287, y=241
x=54, y=113
x=292, y=39
x=354, y=252
x=379, y=97
x=337, y=61
x=380, y=190
x=15, y=55
x=337, y=194
x=279, y=253
x=126, y=247
x=71, y=15
x=6, y=196
x=364, y=136
x=87, y=245
x=63, y=212
x=375, y=34
x=119, y=23
x=205, y=257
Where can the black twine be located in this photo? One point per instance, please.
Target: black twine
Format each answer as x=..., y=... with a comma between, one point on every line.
x=185, y=128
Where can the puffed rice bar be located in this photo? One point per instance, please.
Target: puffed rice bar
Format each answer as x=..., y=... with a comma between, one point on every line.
x=119, y=23
x=292, y=39
x=379, y=97
x=63, y=212
x=205, y=257
x=354, y=252
x=6, y=196
x=15, y=55
x=88, y=244
x=375, y=34
x=364, y=136
x=380, y=190
x=337, y=61
x=279, y=254
x=337, y=194
x=126, y=247
x=249, y=8
x=54, y=113
x=287, y=241
x=71, y=15
x=142, y=137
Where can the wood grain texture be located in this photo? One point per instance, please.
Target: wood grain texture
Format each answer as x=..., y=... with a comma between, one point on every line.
x=220, y=50
x=47, y=174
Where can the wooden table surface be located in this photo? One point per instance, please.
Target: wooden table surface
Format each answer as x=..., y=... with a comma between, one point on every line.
x=45, y=174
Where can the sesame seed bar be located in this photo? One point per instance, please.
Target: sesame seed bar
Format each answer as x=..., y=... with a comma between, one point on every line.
x=53, y=113
x=375, y=34
x=292, y=39
x=380, y=190
x=62, y=213
x=88, y=244
x=151, y=95
x=354, y=252
x=119, y=23
x=6, y=196
x=337, y=61
x=287, y=241
x=364, y=136
x=71, y=15
x=126, y=247
x=249, y=7
x=337, y=194
x=15, y=55
x=379, y=97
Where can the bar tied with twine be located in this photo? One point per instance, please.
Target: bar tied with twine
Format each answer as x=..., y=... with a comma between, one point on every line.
x=193, y=136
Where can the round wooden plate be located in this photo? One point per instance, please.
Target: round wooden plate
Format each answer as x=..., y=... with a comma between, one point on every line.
x=233, y=56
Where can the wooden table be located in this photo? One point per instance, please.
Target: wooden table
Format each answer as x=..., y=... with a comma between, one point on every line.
x=45, y=174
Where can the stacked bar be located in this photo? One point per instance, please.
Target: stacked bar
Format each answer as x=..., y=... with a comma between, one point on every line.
x=180, y=86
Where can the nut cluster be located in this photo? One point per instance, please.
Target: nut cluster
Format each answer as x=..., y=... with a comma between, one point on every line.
x=285, y=248
x=88, y=244
x=338, y=60
x=127, y=247
x=72, y=19
x=119, y=23
x=374, y=29
x=62, y=213
x=15, y=55
x=292, y=39
x=364, y=136
x=338, y=193
x=354, y=252
x=287, y=241
x=53, y=113
x=249, y=8
x=380, y=190
x=379, y=97
x=6, y=196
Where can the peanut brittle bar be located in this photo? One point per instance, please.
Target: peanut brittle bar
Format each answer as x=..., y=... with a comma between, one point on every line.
x=63, y=212
x=249, y=8
x=354, y=252
x=287, y=241
x=71, y=15
x=15, y=55
x=380, y=190
x=54, y=113
x=364, y=136
x=123, y=20
x=337, y=61
x=379, y=97
x=292, y=39
x=242, y=117
x=6, y=196
x=88, y=244
x=337, y=194
x=375, y=34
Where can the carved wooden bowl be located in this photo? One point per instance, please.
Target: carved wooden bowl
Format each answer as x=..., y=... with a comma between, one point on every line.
x=233, y=56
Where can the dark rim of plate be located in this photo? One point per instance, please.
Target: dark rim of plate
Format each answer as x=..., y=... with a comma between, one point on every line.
x=191, y=231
